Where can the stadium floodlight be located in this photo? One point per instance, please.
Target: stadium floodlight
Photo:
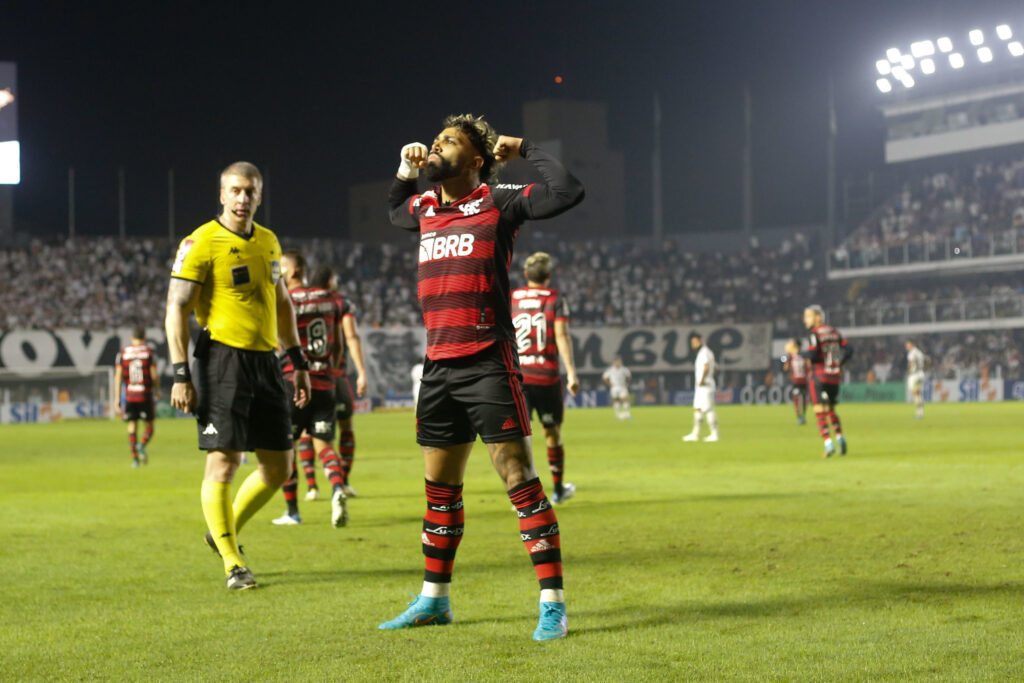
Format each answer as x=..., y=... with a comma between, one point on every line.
x=899, y=73
x=883, y=67
x=908, y=82
x=976, y=37
x=893, y=54
x=1004, y=32
x=884, y=85
x=922, y=48
x=907, y=62
x=945, y=44
x=927, y=66
x=985, y=55
x=1015, y=48
x=956, y=60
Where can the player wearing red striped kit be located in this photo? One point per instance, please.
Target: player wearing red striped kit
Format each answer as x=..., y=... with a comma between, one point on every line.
x=135, y=371
x=319, y=324
x=324, y=277
x=827, y=351
x=541, y=319
x=797, y=367
x=471, y=378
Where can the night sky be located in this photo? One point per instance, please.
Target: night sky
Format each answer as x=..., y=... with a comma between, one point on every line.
x=324, y=98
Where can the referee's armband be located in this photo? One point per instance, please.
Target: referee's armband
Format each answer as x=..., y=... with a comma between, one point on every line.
x=298, y=358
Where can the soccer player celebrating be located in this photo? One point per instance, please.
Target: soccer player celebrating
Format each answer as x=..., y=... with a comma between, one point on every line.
x=617, y=377
x=229, y=271
x=703, y=390
x=537, y=311
x=827, y=351
x=318, y=318
x=471, y=379
x=796, y=366
x=135, y=370
x=915, y=377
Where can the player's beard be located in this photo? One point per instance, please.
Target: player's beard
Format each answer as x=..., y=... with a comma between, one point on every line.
x=438, y=171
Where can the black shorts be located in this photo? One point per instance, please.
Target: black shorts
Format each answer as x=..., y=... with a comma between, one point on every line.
x=243, y=403
x=480, y=394
x=823, y=393
x=343, y=397
x=316, y=418
x=798, y=390
x=548, y=400
x=139, y=410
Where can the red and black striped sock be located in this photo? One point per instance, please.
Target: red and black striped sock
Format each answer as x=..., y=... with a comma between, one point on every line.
x=347, y=451
x=133, y=442
x=556, y=463
x=834, y=419
x=332, y=467
x=149, y=433
x=291, y=491
x=797, y=400
x=308, y=459
x=443, y=525
x=538, y=527
x=823, y=426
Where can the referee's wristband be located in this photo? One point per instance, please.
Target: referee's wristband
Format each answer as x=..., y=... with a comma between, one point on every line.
x=298, y=358
x=181, y=373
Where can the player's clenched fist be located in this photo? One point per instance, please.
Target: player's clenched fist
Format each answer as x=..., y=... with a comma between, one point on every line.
x=414, y=157
x=507, y=148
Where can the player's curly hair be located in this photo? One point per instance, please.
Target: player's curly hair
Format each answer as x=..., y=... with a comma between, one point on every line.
x=321, y=276
x=538, y=267
x=483, y=137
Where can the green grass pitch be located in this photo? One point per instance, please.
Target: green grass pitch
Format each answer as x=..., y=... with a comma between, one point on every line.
x=747, y=559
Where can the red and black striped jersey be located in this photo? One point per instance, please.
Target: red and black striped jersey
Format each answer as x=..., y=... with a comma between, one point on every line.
x=345, y=311
x=466, y=250
x=797, y=369
x=825, y=351
x=317, y=315
x=136, y=361
x=534, y=312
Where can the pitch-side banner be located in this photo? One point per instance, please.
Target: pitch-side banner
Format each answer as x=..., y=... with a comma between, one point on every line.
x=666, y=348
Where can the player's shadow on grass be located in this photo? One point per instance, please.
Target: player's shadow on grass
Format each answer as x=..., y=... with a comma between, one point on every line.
x=602, y=621
x=340, y=575
x=917, y=591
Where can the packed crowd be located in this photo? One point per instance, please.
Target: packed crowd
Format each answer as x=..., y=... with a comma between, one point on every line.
x=106, y=283
x=972, y=211
x=96, y=283
x=966, y=298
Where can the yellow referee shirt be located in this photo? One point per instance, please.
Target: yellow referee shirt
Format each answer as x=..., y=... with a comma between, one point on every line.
x=238, y=300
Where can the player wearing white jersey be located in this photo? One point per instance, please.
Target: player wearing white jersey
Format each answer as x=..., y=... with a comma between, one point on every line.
x=703, y=390
x=916, y=361
x=617, y=378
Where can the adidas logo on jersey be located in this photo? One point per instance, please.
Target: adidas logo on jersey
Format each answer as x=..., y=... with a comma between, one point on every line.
x=445, y=246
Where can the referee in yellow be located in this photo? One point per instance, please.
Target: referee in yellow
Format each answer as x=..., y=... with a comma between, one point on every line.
x=229, y=272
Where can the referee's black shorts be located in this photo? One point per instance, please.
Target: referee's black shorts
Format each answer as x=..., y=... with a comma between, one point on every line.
x=243, y=403
x=548, y=400
x=479, y=394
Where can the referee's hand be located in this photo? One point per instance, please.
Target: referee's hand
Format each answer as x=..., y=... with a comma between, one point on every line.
x=183, y=396
x=302, y=389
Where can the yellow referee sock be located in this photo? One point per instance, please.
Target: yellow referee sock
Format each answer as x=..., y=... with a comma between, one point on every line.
x=220, y=519
x=252, y=495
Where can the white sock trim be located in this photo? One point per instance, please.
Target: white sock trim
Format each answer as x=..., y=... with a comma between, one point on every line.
x=436, y=590
x=552, y=595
